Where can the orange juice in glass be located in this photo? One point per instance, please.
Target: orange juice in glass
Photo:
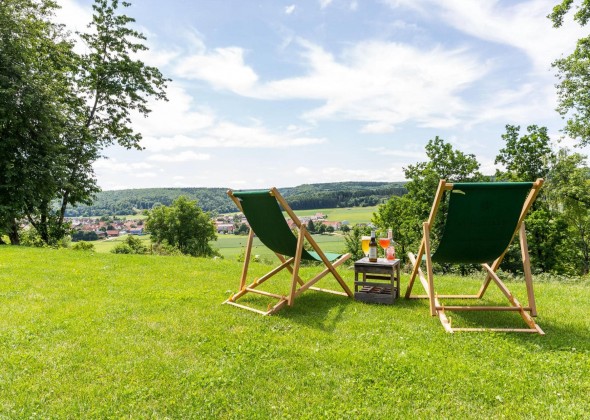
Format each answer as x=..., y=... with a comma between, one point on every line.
x=365, y=245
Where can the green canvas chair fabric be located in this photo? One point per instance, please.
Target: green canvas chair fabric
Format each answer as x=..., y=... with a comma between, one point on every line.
x=481, y=222
x=262, y=209
x=266, y=219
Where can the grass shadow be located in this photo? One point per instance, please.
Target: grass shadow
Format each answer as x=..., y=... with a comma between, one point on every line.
x=322, y=311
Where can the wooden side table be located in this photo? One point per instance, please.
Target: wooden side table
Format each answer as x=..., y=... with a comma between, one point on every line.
x=383, y=285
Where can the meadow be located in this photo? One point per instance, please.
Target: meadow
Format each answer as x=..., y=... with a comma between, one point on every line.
x=232, y=246
x=99, y=335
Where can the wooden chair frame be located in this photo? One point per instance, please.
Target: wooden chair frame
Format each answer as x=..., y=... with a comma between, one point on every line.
x=437, y=308
x=292, y=264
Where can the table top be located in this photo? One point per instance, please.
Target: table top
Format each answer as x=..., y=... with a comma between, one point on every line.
x=380, y=262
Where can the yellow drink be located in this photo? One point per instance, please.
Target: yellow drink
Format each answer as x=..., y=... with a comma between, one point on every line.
x=365, y=244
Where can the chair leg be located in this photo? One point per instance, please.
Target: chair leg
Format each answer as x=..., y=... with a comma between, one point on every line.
x=246, y=259
x=526, y=263
x=429, y=269
x=296, y=265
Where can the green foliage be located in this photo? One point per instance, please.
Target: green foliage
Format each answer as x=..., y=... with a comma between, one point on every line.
x=309, y=196
x=525, y=158
x=406, y=214
x=165, y=249
x=81, y=235
x=352, y=240
x=243, y=229
x=71, y=106
x=310, y=226
x=573, y=87
x=30, y=237
x=83, y=246
x=147, y=337
x=183, y=225
x=569, y=193
x=131, y=245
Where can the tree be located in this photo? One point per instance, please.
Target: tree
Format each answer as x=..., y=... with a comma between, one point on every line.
x=183, y=225
x=574, y=75
x=528, y=157
x=406, y=214
x=71, y=107
x=35, y=110
x=569, y=191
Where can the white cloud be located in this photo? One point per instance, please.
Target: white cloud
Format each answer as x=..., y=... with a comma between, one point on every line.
x=303, y=171
x=523, y=25
x=74, y=16
x=145, y=175
x=113, y=165
x=227, y=134
x=396, y=152
x=382, y=84
x=325, y=3
x=289, y=9
x=179, y=115
x=185, y=156
x=224, y=68
x=354, y=5
x=337, y=174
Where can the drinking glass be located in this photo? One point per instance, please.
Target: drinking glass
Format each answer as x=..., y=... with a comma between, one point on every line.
x=365, y=245
x=384, y=243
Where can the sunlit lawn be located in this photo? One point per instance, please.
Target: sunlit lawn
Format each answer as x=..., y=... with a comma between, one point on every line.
x=101, y=335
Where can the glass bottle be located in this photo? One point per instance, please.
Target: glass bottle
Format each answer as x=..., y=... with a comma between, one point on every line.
x=373, y=248
x=390, y=251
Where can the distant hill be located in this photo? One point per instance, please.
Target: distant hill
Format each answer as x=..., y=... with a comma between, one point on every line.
x=303, y=197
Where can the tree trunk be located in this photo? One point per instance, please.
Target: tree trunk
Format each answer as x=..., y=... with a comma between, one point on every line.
x=13, y=233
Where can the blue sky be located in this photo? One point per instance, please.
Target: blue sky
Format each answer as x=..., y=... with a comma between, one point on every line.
x=282, y=93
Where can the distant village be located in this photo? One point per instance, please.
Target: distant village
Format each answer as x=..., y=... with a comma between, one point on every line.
x=239, y=224
x=88, y=228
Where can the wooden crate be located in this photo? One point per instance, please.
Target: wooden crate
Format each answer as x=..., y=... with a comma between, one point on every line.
x=379, y=281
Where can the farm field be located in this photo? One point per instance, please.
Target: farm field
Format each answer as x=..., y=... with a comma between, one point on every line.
x=95, y=335
x=353, y=215
x=231, y=246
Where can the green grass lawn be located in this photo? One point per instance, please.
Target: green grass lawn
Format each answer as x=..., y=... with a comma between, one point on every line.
x=98, y=335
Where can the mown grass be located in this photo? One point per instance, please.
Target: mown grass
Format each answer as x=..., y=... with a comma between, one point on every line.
x=91, y=335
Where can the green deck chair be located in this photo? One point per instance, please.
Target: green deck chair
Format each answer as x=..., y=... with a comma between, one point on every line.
x=267, y=222
x=482, y=220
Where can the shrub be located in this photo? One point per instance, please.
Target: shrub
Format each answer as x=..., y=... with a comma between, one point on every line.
x=131, y=245
x=122, y=248
x=83, y=246
x=164, y=248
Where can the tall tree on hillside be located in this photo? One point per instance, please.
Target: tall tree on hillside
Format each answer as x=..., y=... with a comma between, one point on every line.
x=36, y=107
x=573, y=88
x=97, y=93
